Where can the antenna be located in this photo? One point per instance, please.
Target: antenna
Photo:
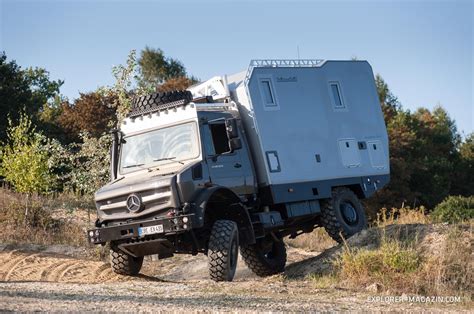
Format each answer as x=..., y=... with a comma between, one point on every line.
x=298, y=51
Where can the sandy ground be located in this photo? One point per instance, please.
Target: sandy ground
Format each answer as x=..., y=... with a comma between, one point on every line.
x=55, y=279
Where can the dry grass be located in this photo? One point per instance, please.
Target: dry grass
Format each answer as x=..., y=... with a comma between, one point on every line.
x=414, y=257
x=319, y=240
x=43, y=219
x=438, y=262
x=316, y=241
x=390, y=265
x=453, y=269
x=402, y=216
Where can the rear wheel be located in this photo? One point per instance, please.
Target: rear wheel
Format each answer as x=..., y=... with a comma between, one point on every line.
x=223, y=250
x=265, y=258
x=343, y=215
x=123, y=263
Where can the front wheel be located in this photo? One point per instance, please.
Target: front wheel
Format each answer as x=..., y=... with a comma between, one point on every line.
x=123, y=263
x=223, y=250
x=266, y=257
x=343, y=215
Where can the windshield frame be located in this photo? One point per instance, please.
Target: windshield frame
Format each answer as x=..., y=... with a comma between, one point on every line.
x=156, y=163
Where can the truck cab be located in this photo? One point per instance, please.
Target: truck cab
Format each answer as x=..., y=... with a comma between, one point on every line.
x=239, y=163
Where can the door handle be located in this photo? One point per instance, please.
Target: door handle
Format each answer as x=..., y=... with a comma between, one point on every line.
x=237, y=165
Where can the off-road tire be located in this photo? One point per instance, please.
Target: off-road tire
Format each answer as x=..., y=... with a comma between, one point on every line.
x=332, y=217
x=148, y=101
x=260, y=263
x=124, y=264
x=223, y=250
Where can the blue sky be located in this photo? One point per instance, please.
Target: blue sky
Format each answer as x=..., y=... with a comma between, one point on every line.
x=423, y=49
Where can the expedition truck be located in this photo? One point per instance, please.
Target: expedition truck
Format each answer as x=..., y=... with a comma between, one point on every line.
x=240, y=162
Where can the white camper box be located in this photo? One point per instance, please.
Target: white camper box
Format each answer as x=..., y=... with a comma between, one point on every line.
x=309, y=122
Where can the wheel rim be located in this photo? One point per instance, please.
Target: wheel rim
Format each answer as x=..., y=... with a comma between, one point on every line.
x=349, y=213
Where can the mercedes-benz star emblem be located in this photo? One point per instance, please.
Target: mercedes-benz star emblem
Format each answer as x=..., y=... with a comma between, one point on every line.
x=134, y=203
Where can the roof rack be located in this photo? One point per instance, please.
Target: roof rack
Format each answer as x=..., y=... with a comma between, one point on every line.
x=155, y=108
x=283, y=63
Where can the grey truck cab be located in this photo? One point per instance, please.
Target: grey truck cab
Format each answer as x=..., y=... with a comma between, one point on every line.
x=240, y=162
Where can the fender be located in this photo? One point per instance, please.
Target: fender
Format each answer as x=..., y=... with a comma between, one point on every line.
x=232, y=209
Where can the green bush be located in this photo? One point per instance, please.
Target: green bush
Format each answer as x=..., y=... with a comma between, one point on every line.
x=454, y=209
x=24, y=161
x=90, y=162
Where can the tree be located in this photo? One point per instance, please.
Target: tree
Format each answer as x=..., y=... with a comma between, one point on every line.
x=155, y=68
x=463, y=183
x=423, y=154
x=14, y=93
x=24, y=161
x=43, y=89
x=388, y=101
x=90, y=164
x=93, y=113
x=28, y=90
x=434, y=155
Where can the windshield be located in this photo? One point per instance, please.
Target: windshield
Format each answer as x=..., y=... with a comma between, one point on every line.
x=171, y=144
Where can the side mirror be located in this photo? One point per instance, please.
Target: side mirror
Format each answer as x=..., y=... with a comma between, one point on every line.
x=235, y=144
x=231, y=128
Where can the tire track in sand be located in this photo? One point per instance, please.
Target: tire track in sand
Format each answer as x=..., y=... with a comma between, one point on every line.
x=11, y=267
x=22, y=266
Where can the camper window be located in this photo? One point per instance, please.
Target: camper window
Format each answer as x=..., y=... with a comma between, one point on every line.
x=268, y=94
x=336, y=95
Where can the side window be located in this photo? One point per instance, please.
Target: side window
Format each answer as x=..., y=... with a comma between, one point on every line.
x=219, y=138
x=268, y=94
x=336, y=96
x=207, y=140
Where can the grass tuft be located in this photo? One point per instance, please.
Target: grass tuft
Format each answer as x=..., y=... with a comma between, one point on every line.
x=402, y=216
x=384, y=265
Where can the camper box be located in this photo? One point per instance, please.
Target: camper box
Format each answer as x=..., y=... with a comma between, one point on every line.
x=312, y=125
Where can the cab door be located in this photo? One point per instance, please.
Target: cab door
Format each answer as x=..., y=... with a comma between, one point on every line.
x=225, y=167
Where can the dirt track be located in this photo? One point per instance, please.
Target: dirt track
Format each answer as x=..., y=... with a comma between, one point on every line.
x=32, y=281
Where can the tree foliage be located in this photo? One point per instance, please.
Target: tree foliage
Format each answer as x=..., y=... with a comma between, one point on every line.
x=23, y=90
x=24, y=162
x=156, y=68
x=89, y=164
x=425, y=152
x=178, y=83
x=93, y=113
x=463, y=174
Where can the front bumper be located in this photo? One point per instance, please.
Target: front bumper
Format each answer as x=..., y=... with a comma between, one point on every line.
x=129, y=231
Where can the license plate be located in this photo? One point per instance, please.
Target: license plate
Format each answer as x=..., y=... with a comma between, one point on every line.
x=150, y=230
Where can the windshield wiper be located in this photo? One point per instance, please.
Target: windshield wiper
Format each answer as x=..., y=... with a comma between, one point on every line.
x=133, y=166
x=169, y=158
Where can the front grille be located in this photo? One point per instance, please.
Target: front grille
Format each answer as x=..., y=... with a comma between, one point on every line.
x=153, y=199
